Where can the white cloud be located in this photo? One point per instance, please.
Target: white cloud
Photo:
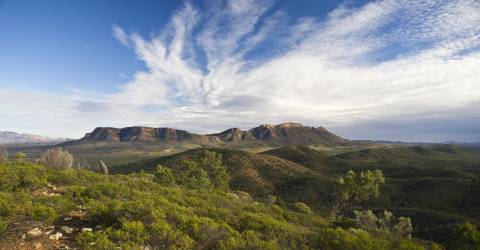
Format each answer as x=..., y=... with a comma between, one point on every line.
x=120, y=35
x=385, y=60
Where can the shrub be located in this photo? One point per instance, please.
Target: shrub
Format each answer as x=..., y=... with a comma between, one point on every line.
x=3, y=225
x=95, y=241
x=212, y=163
x=42, y=213
x=57, y=158
x=192, y=176
x=333, y=239
x=302, y=208
x=19, y=156
x=164, y=176
x=465, y=236
x=386, y=222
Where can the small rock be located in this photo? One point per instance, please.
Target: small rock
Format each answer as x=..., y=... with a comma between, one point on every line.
x=56, y=236
x=67, y=230
x=37, y=245
x=86, y=229
x=34, y=233
x=68, y=218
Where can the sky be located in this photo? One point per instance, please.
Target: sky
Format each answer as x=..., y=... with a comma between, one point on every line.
x=387, y=70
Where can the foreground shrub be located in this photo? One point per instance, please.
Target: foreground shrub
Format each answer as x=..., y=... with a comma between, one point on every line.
x=57, y=158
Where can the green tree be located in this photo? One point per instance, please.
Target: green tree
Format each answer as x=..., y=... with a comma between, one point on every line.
x=465, y=236
x=354, y=188
x=164, y=176
x=212, y=163
x=192, y=176
x=19, y=156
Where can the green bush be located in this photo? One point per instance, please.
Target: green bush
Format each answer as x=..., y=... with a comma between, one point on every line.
x=465, y=236
x=42, y=213
x=164, y=176
x=3, y=225
x=95, y=241
x=302, y=208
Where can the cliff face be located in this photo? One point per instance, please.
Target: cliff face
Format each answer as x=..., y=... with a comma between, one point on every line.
x=286, y=133
x=139, y=134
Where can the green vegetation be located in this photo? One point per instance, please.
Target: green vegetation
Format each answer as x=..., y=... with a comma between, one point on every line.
x=19, y=156
x=176, y=207
x=465, y=236
x=57, y=158
x=354, y=188
x=437, y=186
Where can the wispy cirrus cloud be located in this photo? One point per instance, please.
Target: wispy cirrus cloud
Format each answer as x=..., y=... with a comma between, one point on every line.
x=240, y=63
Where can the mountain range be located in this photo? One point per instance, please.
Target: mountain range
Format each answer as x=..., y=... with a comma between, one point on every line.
x=285, y=133
x=13, y=137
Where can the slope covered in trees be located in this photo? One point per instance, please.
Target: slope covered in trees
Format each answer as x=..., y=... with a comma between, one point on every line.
x=78, y=208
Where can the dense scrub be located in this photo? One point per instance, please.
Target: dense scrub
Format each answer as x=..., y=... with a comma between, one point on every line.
x=138, y=210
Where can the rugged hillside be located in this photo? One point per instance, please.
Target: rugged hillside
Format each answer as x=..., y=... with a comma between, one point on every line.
x=288, y=133
x=257, y=174
x=282, y=134
x=79, y=209
x=143, y=134
x=436, y=185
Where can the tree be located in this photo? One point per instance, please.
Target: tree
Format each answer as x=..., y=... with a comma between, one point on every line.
x=3, y=154
x=397, y=227
x=217, y=172
x=354, y=188
x=164, y=176
x=19, y=156
x=102, y=167
x=192, y=176
x=57, y=158
x=465, y=236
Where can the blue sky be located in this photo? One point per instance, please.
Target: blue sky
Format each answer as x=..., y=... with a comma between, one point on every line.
x=397, y=70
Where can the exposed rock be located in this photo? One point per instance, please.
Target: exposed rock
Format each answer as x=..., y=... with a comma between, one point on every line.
x=34, y=233
x=77, y=214
x=67, y=230
x=56, y=236
x=86, y=229
x=68, y=218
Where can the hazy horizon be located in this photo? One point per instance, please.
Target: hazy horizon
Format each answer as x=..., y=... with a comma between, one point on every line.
x=380, y=70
